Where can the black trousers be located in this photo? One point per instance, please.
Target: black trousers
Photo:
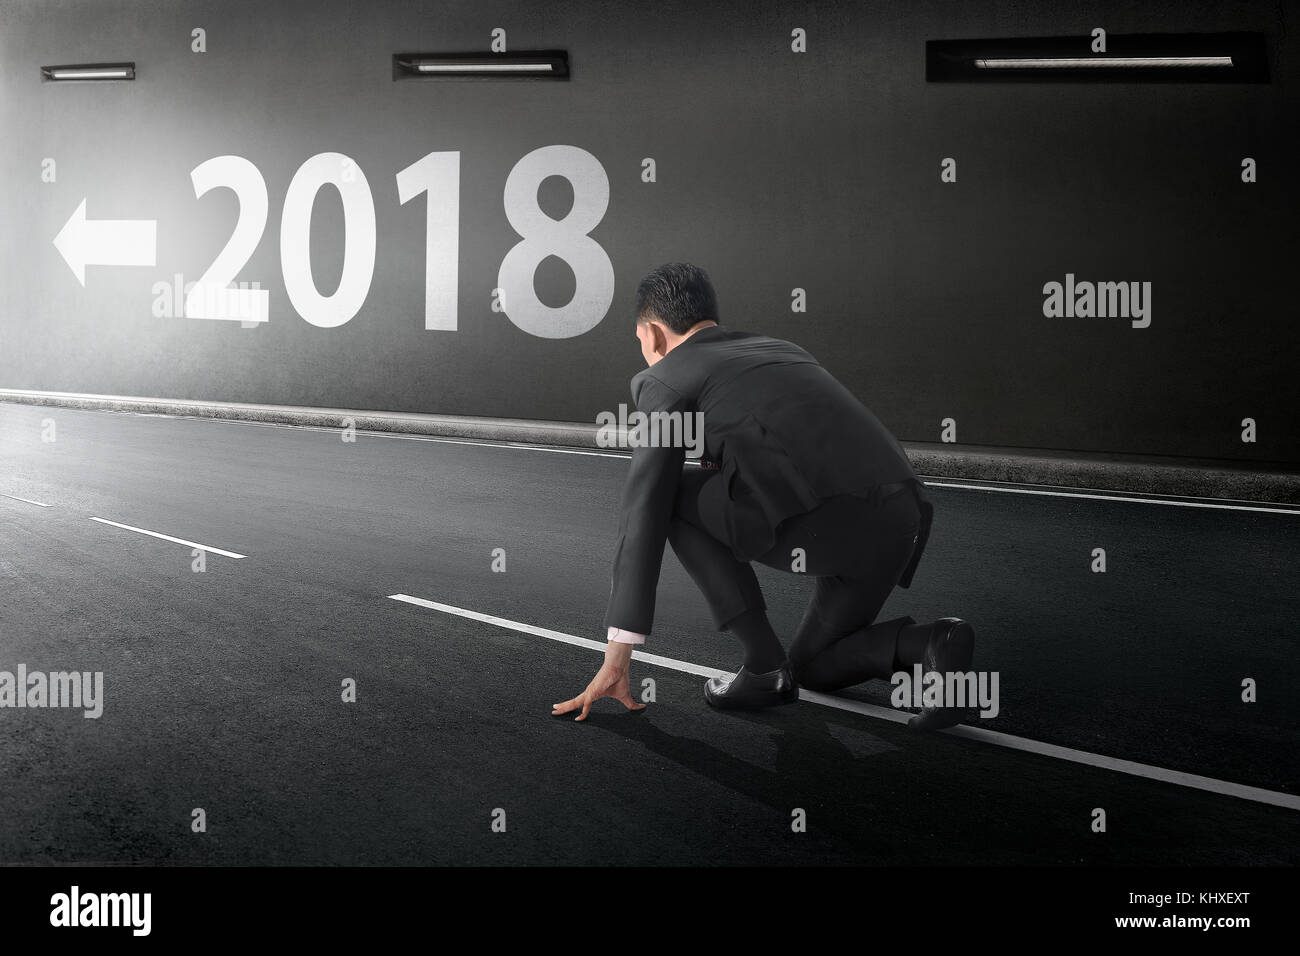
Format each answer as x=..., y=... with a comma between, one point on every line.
x=856, y=550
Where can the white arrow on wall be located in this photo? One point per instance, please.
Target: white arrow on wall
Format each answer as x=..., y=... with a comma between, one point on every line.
x=105, y=242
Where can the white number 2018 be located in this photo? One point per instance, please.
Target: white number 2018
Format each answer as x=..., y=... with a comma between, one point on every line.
x=437, y=175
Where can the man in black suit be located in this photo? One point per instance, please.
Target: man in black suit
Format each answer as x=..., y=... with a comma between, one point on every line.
x=796, y=474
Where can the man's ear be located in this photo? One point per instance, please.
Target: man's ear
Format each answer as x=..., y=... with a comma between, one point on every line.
x=660, y=346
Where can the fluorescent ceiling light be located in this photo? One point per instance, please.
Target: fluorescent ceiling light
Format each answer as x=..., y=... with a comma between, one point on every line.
x=1127, y=58
x=90, y=71
x=535, y=64
x=482, y=67
x=88, y=74
x=1114, y=62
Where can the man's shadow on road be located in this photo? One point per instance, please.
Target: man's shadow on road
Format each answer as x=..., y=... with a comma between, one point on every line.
x=813, y=765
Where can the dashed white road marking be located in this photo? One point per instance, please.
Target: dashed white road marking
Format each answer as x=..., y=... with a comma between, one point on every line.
x=167, y=537
x=39, y=504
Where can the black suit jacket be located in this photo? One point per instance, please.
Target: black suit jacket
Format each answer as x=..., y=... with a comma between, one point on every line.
x=785, y=434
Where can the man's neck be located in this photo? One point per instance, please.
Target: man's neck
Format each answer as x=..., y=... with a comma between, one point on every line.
x=679, y=340
x=696, y=328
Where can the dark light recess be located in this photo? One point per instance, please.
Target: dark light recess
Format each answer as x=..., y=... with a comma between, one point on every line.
x=531, y=65
x=1129, y=58
x=88, y=72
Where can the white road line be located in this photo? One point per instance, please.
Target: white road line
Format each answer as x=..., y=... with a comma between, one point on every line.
x=1177, y=777
x=29, y=501
x=502, y=444
x=1116, y=497
x=167, y=537
x=553, y=449
x=1101, y=495
x=1180, y=501
x=559, y=636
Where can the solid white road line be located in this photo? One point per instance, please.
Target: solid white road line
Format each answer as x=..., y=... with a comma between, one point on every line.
x=1117, y=497
x=1085, y=494
x=1177, y=777
x=559, y=636
x=331, y=429
x=29, y=501
x=554, y=450
x=167, y=537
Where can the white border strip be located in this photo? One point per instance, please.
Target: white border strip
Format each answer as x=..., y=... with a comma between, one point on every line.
x=1177, y=777
x=167, y=537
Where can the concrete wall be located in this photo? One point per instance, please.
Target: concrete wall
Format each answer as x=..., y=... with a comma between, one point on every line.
x=775, y=170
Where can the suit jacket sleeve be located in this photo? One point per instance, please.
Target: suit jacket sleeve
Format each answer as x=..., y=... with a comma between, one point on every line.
x=647, y=507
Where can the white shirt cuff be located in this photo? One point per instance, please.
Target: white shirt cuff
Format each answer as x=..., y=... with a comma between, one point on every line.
x=625, y=637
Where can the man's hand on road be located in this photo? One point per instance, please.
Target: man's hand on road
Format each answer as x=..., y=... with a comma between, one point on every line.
x=610, y=681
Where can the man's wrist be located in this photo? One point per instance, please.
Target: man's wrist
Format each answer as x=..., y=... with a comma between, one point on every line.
x=618, y=656
x=621, y=636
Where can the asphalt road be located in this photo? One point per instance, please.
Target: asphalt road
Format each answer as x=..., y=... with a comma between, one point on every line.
x=222, y=688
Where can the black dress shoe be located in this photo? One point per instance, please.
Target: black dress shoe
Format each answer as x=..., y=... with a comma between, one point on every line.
x=747, y=690
x=950, y=648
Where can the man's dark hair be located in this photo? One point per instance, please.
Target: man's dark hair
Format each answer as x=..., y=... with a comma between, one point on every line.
x=679, y=295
